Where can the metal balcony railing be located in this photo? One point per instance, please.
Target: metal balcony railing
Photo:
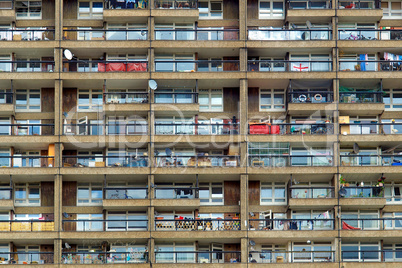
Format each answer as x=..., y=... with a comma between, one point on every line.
x=26, y=66
x=351, y=223
x=197, y=225
x=125, y=97
x=26, y=225
x=29, y=257
x=196, y=34
x=196, y=129
x=198, y=161
x=357, y=4
x=105, y=34
x=121, y=128
x=105, y=161
x=372, y=128
x=371, y=160
x=102, y=66
x=176, y=4
x=26, y=129
x=290, y=160
x=364, y=192
x=309, y=4
x=196, y=65
x=310, y=96
x=126, y=193
x=361, y=97
x=279, y=256
x=385, y=255
x=26, y=161
x=292, y=129
x=369, y=34
x=312, y=192
x=163, y=256
x=105, y=225
x=100, y=257
x=176, y=192
x=289, y=35
x=26, y=35
x=292, y=224
x=289, y=66
x=176, y=97
x=370, y=65
x=116, y=4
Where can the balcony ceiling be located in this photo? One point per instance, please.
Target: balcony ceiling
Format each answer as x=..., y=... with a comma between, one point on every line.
x=31, y=52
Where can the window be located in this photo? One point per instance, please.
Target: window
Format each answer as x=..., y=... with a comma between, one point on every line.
x=392, y=252
x=174, y=96
x=391, y=9
x=90, y=99
x=5, y=128
x=211, y=65
x=174, y=63
x=215, y=33
x=89, y=194
x=211, y=193
x=356, y=31
x=28, y=100
x=27, y=127
x=28, y=9
x=352, y=62
x=313, y=252
x=87, y=65
x=173, y=126
x=260, y=154
x=126, y=96
x=313, y=220
x=392, y=192
x=267, y=64
x=211, y=100
x=174, y=191
x=210, y=9
x=4, y=66
x=27, y=194
x=27, y=217
x=271, y=9
x=320, y=157
x=126, y=158
x=28, y=254
x=90, y=10
x=4, y=252
x=125, y=126
x=310, y=63
x=126, y=190
x=5, y=162
x=28, y=65
x=92, y=224
x=272, y=99
x=128, y=253
x=359, y=251
x=273, y=193
x=394, y=220
x=174, y=31
x=89, y=33
x=126, y=221
x=6, y=96
x=170, y=257
x=393, y=99
x=28, y=159
x=134, y=31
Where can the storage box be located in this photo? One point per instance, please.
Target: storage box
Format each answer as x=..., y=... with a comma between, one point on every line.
x=99, y=164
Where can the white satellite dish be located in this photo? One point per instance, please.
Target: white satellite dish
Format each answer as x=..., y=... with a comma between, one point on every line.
x=308, y=23
x=152, y=84
x=68, y=54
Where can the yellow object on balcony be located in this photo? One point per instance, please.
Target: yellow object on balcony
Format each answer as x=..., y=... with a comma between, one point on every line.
x=43, y=226
x=4, y=226
x=21, y=226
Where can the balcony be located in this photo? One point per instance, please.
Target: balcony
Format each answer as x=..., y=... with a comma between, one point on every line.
x=26, y=35
x=27, y=257
x=289, y=35
x=291, y=129
x=364, y=192
x=371, y=160
x=120, y=128
x=197, y=34
x=27, y=129
x=7, y=11
x=359, y=11
x=26, y=226
x=178, y=196
x=369, y=34
x=105, y=161
x=372, y=256
x=101, y=66
x=26, y=66
x=362, y=197
x=196, y=129
x=368, y=102
x=176, y=4
x=126, y=193
x=163, y=256
x=290, y=160
x=370, y=65
x=302, y=10
x=198, y=161
x=191, y=66
x=106, y=35
x=312, y=197
x=371, y=128
x=289, y=66
x=114, y=4
x=126, y=11
x=282, y=256
x=121, y=225
x=197, y=225
x=370, y=224
x=31, y=161
x=291, y=224
x=105, y=257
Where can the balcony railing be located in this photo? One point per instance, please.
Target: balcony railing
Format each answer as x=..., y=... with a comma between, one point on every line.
x=198, y=161
x=371, y=160
x=290, y=160
x=102, y=66
x=308, y=4
x=6, y=4
x=292, y=224
x=369, y=34
x=370, y=65
x=196, y=34
x=28, y=257
x=361, y=97
x=289, y=35
x=292, y=128
x=26, y=66
x=163, y=256
x=364, y=192
x=111, y=257
x=176, y=4
x=289, y=66
x=105, y=225
x=310, y=96
x=126, y=193
x=372, y=128
x=279, y=256
x=105, y=161
x=350, y=223
x=26, y=161
x=198, y=225
x=125, y=97
x=106, y=34
x=25, y=35
x=357, y=4
x=196, y=65
x=115, y=4
x=196, y=129
x=121, y=128
x=176, y=192
x=385, y=255
x=26, y=225
x=26, y=129
x=312, y=192
x=176, y=97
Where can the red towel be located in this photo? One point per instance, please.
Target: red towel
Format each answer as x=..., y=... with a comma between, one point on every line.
x=346, y=226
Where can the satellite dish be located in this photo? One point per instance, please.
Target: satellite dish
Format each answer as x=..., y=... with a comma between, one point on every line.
x=309, y=25
x=152, y=84
x=356, y=148
x=67, y=53
x=342, y=192
x=252, y=243
x=168, y=152
x=65, y=215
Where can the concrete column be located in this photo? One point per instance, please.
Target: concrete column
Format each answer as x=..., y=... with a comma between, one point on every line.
x=151, y=218
x=151, y=61
x=58, y=60
x=151, y=27
x=335, y=57
x=336, y=154
x=243, y=107
x=242, y=20
x=334, y=28
x=244, y=250
x=58, y=207
x=151, y=250
x=243, y=154
x=58, y=154
x=59, y=20
x=244, y=202
x=337, y=252
x=243, y=59
x=57, y=251
x=58, y=107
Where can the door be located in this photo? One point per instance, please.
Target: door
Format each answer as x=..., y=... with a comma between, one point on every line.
x=83, y=126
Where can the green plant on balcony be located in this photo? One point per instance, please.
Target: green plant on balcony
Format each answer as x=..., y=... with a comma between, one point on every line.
x=342, y=181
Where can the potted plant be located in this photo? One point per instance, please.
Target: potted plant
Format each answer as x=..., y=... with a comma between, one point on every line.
x=342, y=181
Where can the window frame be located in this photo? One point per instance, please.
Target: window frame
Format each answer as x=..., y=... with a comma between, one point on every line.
x=210, y=201
x=264, y=15
x=91, y=200
x=273, y=186
x=209, y=93
x=272, y=93
x=208, y=14
x=30, y=15
x=92, y=105
x=28, y=99
x=91, y=14
x=27, y=201
x=128, y=215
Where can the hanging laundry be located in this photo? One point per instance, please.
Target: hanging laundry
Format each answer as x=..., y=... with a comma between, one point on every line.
x=362, y=59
